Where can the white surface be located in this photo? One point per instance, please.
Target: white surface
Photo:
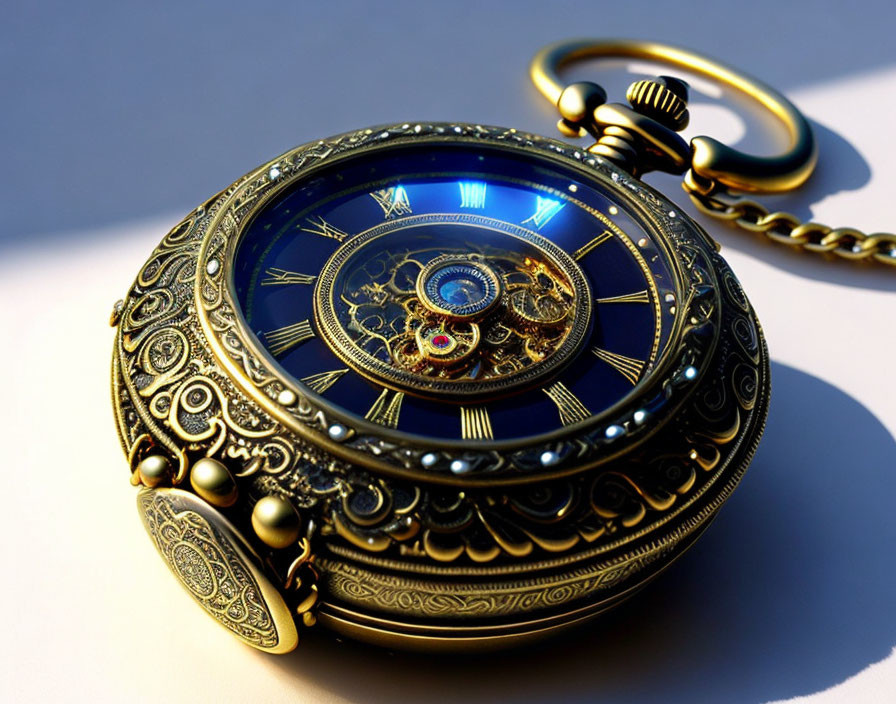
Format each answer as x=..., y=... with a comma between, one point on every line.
x=789, y=594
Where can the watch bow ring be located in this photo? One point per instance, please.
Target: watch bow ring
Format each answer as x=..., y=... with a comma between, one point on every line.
x=438, y=385
x=642, y=136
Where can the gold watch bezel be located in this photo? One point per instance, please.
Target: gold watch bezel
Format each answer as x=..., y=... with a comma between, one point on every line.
x=310, y=416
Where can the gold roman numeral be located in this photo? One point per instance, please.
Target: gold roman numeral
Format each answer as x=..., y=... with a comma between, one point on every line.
x=386, y=408
x=319, y=383
x=475, y=424
x=283, y=339
x=596, y=242
x=639, y=297
x=280, y=277
x=629, y=368
x=319, y=226
x=393, y=201
x=571, y=409
x=545, y=209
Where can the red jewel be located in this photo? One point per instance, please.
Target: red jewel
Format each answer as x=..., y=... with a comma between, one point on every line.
x=441, y=341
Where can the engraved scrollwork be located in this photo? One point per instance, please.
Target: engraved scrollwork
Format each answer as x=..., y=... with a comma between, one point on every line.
x=210, y=568
x=228, y=336
x=433, y=599
x=175, y=392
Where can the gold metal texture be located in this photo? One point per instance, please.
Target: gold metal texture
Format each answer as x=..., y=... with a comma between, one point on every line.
x=710, y=160
x=218, y=568
x=400, y=361
x=522, y=622
x=276, y=522
x=393, y=452
x=213, y=482
x=787, y=229
x=713, y=170
x=189, y=383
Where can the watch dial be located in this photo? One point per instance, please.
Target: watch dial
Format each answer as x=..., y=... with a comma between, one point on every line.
x=456, y=292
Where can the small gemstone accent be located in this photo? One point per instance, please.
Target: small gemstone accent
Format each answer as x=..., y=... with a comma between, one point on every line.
x=690, y=373
x=460, y=466
x=337, y=432
x=213, y=267
x=549, y=458
x=673, y=214
x=429, y=459
x=639, y=416
x=274, y=173
x=287, y=397
x=441, y=341
x=614, y=431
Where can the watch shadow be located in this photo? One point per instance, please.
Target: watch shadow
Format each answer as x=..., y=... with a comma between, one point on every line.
x=736, y=121
x=788, y=593
x=841, y=168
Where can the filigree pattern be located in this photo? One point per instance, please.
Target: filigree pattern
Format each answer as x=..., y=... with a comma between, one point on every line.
x=211, y=570
x=663, y=393
x=380, y=309
x=440, y=600
x=189, y=383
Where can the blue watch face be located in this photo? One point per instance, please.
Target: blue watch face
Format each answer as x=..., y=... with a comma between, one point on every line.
x=456, y=292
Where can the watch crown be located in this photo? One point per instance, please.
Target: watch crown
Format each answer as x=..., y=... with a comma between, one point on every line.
x=663, y=98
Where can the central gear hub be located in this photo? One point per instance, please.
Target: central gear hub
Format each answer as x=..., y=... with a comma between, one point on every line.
x=455, y=305
x=458, y=287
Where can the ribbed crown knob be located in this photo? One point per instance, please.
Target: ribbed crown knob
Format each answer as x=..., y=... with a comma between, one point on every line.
x=665, y=99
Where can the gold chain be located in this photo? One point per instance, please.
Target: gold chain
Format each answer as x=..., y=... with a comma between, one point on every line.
x=643, y=137
x=788, y=229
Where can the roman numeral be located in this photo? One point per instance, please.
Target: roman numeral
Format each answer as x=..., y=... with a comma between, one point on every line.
x=571, y=409
x=386, y=408
x=319, y=383
x=319, y=226
x=278, y=277
x=475, y=424
x=629, y=368
x=545, y=209
x=596, y=242
x=393, y=201
x=639, y=297
x=472, y=194
x=283, y=339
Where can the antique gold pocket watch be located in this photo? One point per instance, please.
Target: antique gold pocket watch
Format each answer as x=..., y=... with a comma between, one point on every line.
x=452, y=386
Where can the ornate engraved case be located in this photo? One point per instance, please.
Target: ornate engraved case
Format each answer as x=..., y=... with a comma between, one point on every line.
x=493, y=491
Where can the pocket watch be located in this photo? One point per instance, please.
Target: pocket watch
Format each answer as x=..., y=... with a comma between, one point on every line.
x=450, y=386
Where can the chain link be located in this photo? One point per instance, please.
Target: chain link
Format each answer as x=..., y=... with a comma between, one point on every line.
x=788, y=229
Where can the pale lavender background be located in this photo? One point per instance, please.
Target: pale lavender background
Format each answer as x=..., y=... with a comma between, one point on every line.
x=114, y=111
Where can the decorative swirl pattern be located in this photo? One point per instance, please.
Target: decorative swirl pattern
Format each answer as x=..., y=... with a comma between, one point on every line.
x=663, y=393
x=439, y=600
x=210, y=568
x=175, y=393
